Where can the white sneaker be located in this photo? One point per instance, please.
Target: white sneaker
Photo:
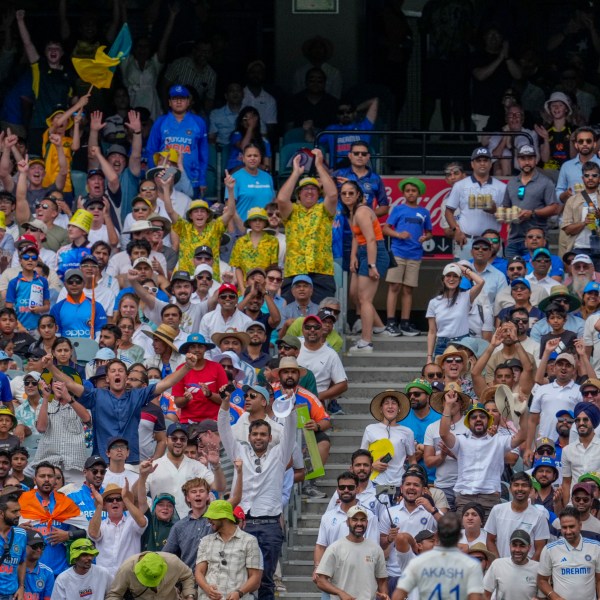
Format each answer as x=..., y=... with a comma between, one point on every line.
x=357, y=327
x=361, y=348
x=378, y=330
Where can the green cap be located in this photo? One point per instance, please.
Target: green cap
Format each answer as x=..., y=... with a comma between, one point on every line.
x=81, y=546
x=421, y=384
x=220, y=509
x=150, y=569
x=590, y=476
x=413, y=181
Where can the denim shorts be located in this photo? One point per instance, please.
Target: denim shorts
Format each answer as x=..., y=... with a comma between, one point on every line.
x=382, y=260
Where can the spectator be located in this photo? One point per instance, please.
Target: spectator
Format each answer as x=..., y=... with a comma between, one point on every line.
x=117, y=450
x=317, y=51
x=69, y=256
x=477, y=198
x=39, y=579
x=516, y=270
x=309, y=215
x=94, y=470
x=533, y=194
x=248, y=134
x=541, y=263
x=256, y=96
x=222, y=120
x=560, y=295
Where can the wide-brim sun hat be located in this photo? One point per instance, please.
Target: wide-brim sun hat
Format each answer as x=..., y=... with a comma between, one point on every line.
x=195, y=204
x=436, y=400
x=154, y=171
x=165, y=333
x=403, y=404
x=453, y=351
x=151, y=569
x=560, y=291
x=506, y=403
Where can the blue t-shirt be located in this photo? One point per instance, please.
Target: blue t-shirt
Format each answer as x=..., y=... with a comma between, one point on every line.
x=371, y=185
x=252, y=190
x=416, y=221
x=418, y=427
x=557, y=268
x=74, y=320
x=5, y=391
x=23, y=294
x=9, y=580
x=71, y=259
x=114, y=415
x=340, y=146
x=39, y=582
x=85, y=502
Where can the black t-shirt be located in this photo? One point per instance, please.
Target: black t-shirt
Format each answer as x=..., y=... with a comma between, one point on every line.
x=487, y=94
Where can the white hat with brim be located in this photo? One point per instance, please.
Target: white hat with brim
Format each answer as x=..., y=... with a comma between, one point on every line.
x=282, y=406
x=509, y=407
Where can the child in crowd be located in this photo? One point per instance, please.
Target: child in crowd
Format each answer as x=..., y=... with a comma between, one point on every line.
x=409, y=225
x=8, y=422
x=19, y=460
x=557, y=317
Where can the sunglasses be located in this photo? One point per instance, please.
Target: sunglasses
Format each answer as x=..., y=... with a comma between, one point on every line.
x=152, y=290
x=585, y=141
x=251, y=395
x=545, y=452
x=228, y=296
x=454, y=359
x=541, y=260
x=113, y=499
x=39, y=546
x=222, y=557
x=258, y=467
x=436, y=375
x=179, y=438
x=312, y=327
x=411, y=394
x=356, y=153
x=30, y=382
x=140, y=209
x=512, y=269
x=452, y=172
x=204, y=277
x=519, y=288
x=31, y=229
x=99, y=471
x=44, y=205
x=351, y=487
x=592, y=175
x=565, y=420
x=285, y=347
x=29, y=256
x=593, y=393
x=274, y=279
x=516, y=320
x=75, y=280
x=152, y=189
x=482, y=248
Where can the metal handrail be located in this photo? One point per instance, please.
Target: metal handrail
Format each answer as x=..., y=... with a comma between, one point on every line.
x=423, y=134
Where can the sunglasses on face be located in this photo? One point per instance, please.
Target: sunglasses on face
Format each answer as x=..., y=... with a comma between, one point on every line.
x=454, y=359
x=31, y=382
x=591, y=393
x=152, y=189
x=228, y=296
x=436, y=375
x=452, y=172
x=542, y=260
x=204, y=277
x=481, y=248
x=113, y=499
x=141, y=208
x=350, y=487
x=545, y=452
x=39, y=546
x=312, y=327
x=44, y=205
x=274, y=279
x=31, y=229
x=513, y=269
x=565, y=420
x=585, y=141
x=284, y=346
x=251, y=395
x=152, y=290
x=74, y=280
x=411, y=394
x=179, y=438
x=356, y=153
x=517, y=320
x=519, y=288
x=592, y=175
x=29, y=256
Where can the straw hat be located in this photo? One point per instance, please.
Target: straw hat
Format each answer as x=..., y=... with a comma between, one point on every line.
x=453, y=351
x=165, y=333
x=377, y=402
x=436, y=401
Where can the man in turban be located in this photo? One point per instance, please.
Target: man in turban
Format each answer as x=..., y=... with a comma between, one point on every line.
x=583, y=455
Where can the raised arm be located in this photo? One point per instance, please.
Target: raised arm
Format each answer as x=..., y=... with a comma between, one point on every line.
x=134, y=279
x=330, y=192
x=170, y=380
x=22, y=210
x=30, y=50
x=134, y=511
x=479, y=383
x=134, y=124
x=111, y=175
x=75, y=388
x=96, y=125
x=230, y=211
x=63, y=165
x=8, y=141
x=450, y=409
x=284, y=197
x=165, y=188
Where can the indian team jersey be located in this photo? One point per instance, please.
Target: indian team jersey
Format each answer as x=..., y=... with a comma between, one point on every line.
x=15, y=555
x=39, y=583
x=573, y=568
x=443, y=574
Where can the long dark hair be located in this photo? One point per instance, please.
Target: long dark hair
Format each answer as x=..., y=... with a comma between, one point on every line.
x=240, y=126
x=360, y=200
x=453, y=297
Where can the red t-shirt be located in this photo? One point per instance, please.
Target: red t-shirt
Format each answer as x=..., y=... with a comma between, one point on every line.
x=200, y=407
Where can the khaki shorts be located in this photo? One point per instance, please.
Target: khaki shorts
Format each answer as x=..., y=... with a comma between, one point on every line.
x=407, y=272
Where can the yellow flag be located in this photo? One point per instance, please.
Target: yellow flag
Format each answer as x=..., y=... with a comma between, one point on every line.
x=96, y=71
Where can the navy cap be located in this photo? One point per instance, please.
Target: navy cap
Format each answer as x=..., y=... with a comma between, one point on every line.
x=481, y=152
x=115, y=439
x=178, y=91
x=177, y=427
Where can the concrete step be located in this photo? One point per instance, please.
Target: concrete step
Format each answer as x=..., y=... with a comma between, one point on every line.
x=300, y=568
x=383, y=374
x=300, y=553
x=299, y=595
x=386, y=358
x=310, y=519
x=299, y=587
x=365, y=390
x=386, y=342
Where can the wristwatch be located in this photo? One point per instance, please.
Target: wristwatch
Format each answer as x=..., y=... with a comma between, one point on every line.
x=373, y=266
x=240, y=593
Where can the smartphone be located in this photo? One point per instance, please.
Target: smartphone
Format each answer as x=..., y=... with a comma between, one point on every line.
x=169, y=172
x=386, y=458
x=388, y=490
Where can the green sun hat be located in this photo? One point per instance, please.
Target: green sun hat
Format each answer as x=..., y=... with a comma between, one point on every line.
x=413, y=181
x=151, y=569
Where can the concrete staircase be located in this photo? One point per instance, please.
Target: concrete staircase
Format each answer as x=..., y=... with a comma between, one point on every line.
x=394, y=362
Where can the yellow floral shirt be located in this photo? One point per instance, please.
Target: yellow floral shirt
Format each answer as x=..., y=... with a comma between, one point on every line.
x=308, y=233
x=246, y=256
x=190, y=239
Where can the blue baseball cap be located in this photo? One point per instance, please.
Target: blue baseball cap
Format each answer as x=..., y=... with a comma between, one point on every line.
x=522, y=281
x=545, y=461
x=178, y=91
x=563, y=412
x=543, y=251
x=105, y=354
x=4, y=356
x=592, y=286
x=257, y=388
x=195, y=338
x=177, y=427
x=301, y=279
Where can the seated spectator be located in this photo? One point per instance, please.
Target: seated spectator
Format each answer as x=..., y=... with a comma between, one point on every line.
x=520, y=291
x=34, y=233
x=582, y=273
x=93, y=472
x=159, y=239
x=559, y=294
x=166, y=357
x=556, y=317
x=254, y=354
x=256, y=249
x=225, y=315
x=256, y=96
x=303, y=306
x=472, y=522
x=535, y=238
x=520, y=317
x=236, y=341
x=254, y=299
x=222, y=120
x=516, y=270
x=256, y=400
x=541, y=263
x=248, y=134
x=69, y=256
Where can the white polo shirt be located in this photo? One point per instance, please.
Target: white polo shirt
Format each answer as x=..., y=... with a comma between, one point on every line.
x=474, y=221
x=508, y=580
x=446, y=473
x=117, y=542
x=480, y=462
x=406, y=522
x=577, y=460
x=591, y=338
x=334, y=526
x=548, y=399
x=572, y=568
x=167, y=478
x=503, y=520
x=443, y=573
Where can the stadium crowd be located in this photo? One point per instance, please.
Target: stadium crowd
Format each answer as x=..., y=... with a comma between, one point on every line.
x=161, y=348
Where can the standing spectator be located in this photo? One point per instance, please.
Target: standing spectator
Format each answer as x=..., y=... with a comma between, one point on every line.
x=248, y=133
x=152, y=575
x=477, y=197
x=389, y=408
x=256, y=96
x=504, y=518
x=581, y=578
x=513, y=576
x=409, y=225
x=195, y=72
x=118, y=536
x=94, y=470
x=83, y=574
x=262, y=502
x=448, y=313
x=308, y=225
x=354, y=566
x=184, y=132
x=480, y=456
x=230, y=546
x=370, y=183
x=533, y=194
x=339, y=145
x=369, y=258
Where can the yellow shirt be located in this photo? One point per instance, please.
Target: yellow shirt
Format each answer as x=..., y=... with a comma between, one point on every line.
x=246, y=256
x=190, y=239
x=50, y=156
x=308, y=234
